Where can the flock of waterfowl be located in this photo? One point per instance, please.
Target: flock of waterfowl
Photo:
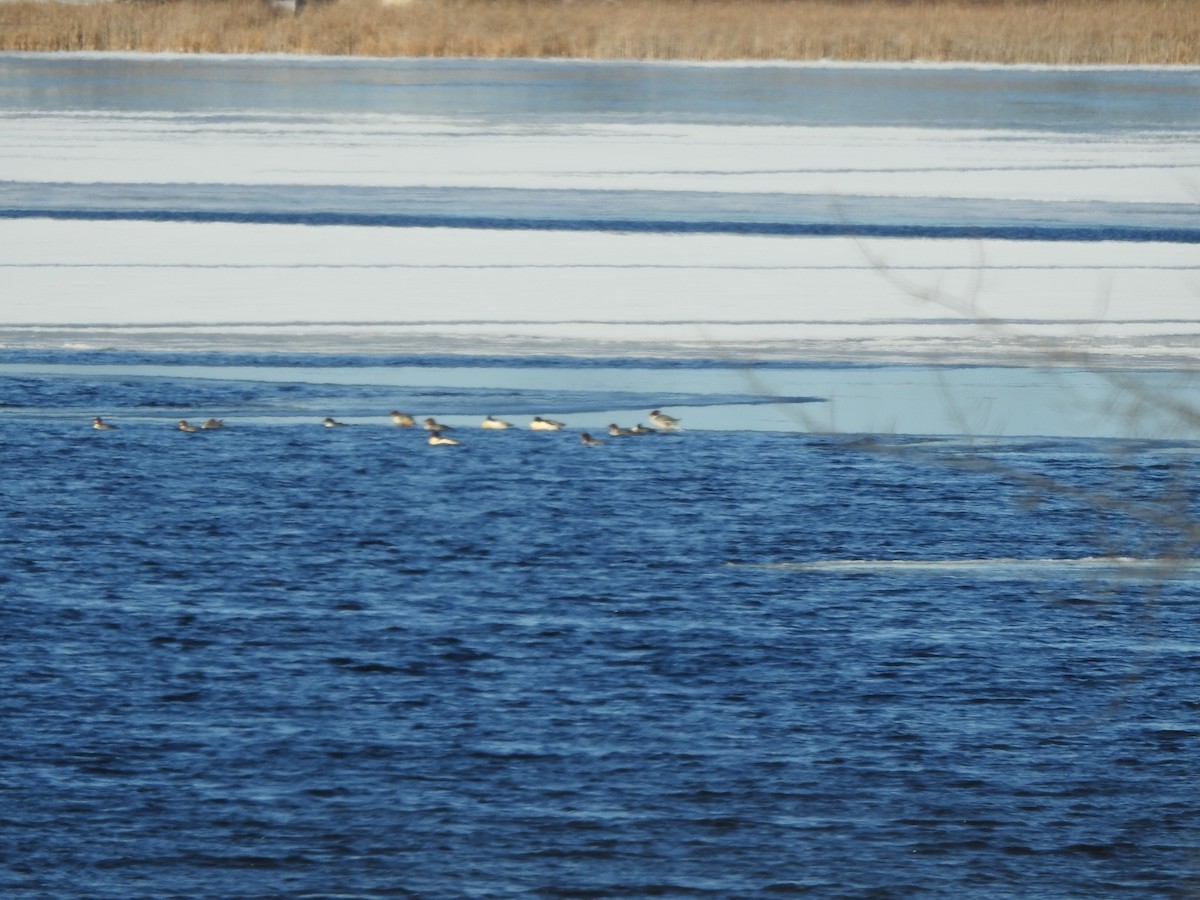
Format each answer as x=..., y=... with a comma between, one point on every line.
x=437, y=431
x=100, y=425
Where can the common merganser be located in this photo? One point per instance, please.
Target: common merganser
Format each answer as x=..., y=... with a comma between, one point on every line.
x=403, y=420
x=662, y=420
x=437, y=439
x=212, y=423
x=495, y=424
x=184, y=426
x=434, y=425
x=330, y=422
x=100, y=425
x=540, y=424
x=618, y=431
x=639, y=428
x=588, y=441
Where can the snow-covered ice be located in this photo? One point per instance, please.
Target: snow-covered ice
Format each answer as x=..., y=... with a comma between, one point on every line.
x=237, y=285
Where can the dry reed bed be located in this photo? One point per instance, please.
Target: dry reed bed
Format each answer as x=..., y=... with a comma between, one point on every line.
x=1057, y=32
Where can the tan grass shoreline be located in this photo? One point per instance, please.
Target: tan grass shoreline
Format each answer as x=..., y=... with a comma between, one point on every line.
x=1051, y=32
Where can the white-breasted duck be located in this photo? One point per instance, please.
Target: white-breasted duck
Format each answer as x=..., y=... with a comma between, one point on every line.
x=661, y=420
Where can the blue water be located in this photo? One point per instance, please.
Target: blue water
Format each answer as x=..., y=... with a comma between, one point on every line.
x=681, y=212
x=285, y=660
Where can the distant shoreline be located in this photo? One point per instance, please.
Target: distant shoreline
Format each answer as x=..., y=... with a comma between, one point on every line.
x=1005, y=32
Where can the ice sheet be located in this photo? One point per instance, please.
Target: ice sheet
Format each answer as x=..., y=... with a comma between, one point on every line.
x=231, y=284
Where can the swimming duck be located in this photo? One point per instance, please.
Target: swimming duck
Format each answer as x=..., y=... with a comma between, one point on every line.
x=184, y=426
x=436, y=439
x=212, y=423
x=100, y=425
x=639, y=428
x=495, y=424
x=617, y=431
x=330, y=422
x=540, y=424
x=661, y=420
x=402, y=420
x=588, y=441
x=434, y=425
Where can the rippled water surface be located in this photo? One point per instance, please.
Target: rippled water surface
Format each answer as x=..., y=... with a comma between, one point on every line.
x=285, y=660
